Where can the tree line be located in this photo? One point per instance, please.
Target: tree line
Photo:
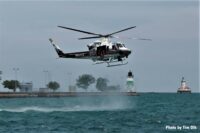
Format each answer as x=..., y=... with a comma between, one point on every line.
x=83, y=81
x=14, y=84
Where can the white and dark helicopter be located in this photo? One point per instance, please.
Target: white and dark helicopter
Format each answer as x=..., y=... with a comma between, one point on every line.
x=100, y=51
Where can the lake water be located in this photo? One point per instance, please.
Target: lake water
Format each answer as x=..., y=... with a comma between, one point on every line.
x=149, y=112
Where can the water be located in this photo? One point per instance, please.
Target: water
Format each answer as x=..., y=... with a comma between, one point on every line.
x=150, y=112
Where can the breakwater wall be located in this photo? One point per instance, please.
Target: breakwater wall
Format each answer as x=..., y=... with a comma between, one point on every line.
x=62, y=94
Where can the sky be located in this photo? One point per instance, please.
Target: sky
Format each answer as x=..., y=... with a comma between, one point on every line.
x=157, y=65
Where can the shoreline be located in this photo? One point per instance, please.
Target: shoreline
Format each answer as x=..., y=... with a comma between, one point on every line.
x=63, y=94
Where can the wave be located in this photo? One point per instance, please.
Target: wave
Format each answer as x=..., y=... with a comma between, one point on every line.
x=62, y=109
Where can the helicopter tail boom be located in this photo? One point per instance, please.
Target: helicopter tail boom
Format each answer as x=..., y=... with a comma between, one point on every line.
x=58, y=50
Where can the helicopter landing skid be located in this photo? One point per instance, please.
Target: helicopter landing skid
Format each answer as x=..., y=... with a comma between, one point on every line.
x=120, y=64
x=111, y=62
x=111, y=65
x=99, y=62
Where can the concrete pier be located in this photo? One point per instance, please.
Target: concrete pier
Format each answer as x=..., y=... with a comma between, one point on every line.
x=63, y=94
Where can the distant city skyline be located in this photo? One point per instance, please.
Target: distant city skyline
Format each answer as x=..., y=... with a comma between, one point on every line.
x=158, y=65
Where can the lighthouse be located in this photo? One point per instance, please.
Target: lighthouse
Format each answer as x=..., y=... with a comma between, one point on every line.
x=130, y=86
x=183, y=88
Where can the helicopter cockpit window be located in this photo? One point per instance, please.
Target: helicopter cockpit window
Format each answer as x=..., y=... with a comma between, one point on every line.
x=119, y=45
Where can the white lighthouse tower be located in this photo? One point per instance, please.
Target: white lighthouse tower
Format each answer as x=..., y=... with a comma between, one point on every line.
x=130, y=83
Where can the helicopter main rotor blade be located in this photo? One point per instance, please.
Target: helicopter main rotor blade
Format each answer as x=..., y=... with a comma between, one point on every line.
x=121, y=31
x=79, y=30
x=145, y=39
x=133, y=38
x=96, y=35
x=92, y=37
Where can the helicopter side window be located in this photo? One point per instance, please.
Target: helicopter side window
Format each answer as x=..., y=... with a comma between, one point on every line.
x=107, y=49
x=101, y=50
x=114, y=47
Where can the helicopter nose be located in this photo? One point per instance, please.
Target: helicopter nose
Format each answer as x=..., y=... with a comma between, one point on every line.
x=126, y=52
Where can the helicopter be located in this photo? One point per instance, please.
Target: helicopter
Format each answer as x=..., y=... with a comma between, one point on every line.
x=99, y=51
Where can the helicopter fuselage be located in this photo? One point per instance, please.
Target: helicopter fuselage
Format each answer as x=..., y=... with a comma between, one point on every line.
x=108, y=52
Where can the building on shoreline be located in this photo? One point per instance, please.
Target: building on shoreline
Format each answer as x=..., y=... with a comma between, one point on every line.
x=26, y=86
